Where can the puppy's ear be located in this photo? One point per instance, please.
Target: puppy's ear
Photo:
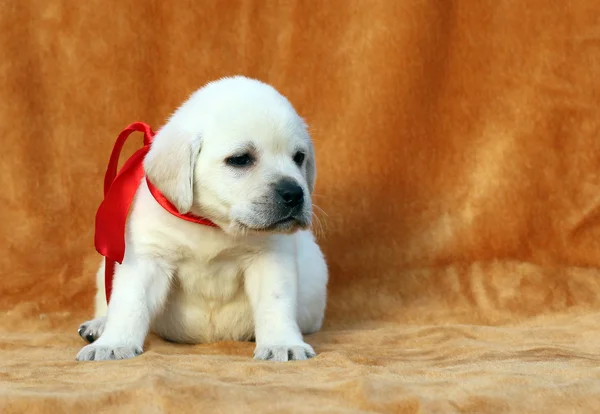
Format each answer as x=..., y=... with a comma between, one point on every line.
x=311, y=167
x=170, y=163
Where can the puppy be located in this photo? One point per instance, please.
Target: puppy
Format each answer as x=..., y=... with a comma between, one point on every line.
x=236, y=152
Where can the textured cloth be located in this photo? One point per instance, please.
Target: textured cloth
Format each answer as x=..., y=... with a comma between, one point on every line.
x=458, y=156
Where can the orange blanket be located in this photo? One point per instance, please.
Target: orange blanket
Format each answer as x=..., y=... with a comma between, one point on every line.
x=458, y=148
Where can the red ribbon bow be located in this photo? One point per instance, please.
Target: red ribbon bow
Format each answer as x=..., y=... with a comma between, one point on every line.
x=119, y=190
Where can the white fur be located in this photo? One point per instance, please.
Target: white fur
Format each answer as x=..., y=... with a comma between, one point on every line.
x=192, y=283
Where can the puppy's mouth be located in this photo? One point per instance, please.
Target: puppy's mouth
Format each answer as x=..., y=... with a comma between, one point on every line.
x=284, y=225
x=286, y=222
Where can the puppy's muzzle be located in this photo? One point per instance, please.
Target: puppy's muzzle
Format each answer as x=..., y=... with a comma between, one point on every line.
x=289, y=194
x=284, y=209
x=289, y=206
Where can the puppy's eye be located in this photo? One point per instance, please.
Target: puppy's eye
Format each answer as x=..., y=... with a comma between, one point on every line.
x=299, y=158
x=243, y=160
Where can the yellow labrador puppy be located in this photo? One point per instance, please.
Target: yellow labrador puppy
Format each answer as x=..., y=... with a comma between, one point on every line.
x=237, y=153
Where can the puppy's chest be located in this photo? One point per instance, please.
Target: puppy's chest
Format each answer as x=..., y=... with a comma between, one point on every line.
x=219, y=279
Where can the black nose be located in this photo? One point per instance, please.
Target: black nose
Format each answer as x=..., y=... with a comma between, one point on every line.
x=289, y=193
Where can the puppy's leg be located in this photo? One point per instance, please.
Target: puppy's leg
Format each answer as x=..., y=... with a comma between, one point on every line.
x=100, y=306
x=140, y=290
x=272, y=287
x=312, y=284
x=92, y=329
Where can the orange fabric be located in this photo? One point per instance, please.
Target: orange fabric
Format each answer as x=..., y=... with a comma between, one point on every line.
x=458, y=156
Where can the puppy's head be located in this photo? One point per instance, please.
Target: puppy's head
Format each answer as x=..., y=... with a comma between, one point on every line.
x=238, y=154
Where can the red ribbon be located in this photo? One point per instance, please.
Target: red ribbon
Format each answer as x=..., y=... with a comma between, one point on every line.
x=119, y=191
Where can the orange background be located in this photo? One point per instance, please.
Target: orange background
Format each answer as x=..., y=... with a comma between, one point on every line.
x=458, y=155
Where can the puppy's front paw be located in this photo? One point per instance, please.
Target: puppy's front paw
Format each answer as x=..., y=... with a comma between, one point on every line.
x=282, y=353
x=91, y=330
x=106, y=352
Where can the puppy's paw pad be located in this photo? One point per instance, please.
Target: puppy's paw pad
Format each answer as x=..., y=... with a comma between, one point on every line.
x=283, y=353
x=95, y=352
x=90, y=331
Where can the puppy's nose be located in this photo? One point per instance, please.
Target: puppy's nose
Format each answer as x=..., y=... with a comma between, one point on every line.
x=289, y=193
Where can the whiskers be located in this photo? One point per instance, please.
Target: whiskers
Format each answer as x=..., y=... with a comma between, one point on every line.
x=319, y=224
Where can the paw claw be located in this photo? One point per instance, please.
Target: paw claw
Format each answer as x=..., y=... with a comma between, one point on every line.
x=90, y=331
x=100, y=352
x=284, y=353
